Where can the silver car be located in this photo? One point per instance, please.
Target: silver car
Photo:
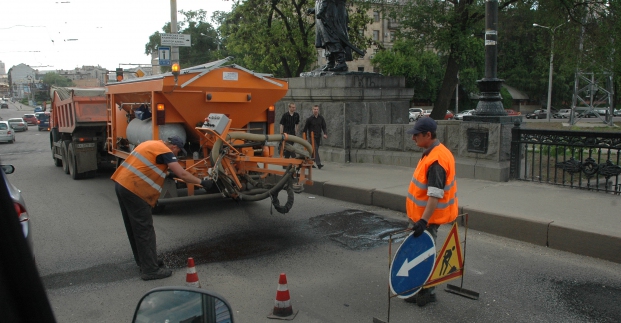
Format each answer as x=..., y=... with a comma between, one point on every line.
x=6, y=132
x=20, y=205
x=18, y=124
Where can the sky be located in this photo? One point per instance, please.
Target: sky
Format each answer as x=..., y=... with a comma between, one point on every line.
x=65, y=34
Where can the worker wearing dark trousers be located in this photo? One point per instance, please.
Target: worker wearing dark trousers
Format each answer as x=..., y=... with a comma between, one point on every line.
x=139, y=181
x=289, y=124
x=315, y=124
x=432, y=194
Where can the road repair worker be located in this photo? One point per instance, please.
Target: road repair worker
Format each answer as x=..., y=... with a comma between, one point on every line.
x=432, y=195
x=139, y=180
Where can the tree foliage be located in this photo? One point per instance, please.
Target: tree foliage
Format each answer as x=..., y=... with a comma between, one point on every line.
x=454, y=29
x=55, y=79
x=278, y=36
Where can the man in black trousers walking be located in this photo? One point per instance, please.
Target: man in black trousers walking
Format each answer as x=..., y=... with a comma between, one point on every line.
x=315, y=124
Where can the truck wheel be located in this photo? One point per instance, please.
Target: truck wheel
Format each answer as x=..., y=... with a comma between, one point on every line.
x=73, y=167
x=57, y=161
x=64, y=154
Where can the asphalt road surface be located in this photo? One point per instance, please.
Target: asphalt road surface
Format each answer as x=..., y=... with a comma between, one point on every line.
x=335, y=256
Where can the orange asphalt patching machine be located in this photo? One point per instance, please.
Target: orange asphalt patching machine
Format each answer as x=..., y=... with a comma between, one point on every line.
x=225, y=115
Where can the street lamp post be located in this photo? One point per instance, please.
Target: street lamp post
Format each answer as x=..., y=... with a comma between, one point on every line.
x=552, y=30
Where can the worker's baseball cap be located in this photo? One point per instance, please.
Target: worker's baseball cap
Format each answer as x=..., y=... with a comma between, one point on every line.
x=424, y=124
x=175, y=140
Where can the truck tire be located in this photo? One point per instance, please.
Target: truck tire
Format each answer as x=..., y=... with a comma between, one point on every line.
x=63, y=152
x=53, y=138
x=73, y=167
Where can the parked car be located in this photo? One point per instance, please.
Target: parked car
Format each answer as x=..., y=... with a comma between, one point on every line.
x=591, y=113
x=564, y=113
x=20, y=205
x=6, y=132
x=449, y=115
x=511, y=112
x=542, y=114
x=38, y=109
x=43, y=121
x=415, y=113
x=30, y=119
x=18, y=124
x=4, y=106
x=460, y=115
x=617, y=113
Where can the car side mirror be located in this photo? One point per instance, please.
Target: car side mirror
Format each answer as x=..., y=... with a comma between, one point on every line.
x=8, y=169
x=182, y=304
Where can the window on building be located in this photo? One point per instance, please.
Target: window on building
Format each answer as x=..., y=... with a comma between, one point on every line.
x=392, y=36
x=376, y=35
x=360, y=68
x=376, y=16
x=376, y=70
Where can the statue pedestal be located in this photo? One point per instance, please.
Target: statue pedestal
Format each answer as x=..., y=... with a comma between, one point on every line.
x=347, y=99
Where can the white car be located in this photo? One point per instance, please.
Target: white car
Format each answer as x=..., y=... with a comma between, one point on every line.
x=415, y=113
x=6, y=132
x=460, y=115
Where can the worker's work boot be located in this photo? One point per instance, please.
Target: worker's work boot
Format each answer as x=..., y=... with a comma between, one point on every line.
x=158, y=274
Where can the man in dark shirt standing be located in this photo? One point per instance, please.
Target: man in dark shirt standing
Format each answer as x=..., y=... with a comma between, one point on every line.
x=316, y=124
x=289, y=123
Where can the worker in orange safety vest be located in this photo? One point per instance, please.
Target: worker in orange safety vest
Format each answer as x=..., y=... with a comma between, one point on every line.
x=139, y=180
x=432, y=194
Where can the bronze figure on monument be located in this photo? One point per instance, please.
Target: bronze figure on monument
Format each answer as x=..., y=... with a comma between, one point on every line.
x=331, y=34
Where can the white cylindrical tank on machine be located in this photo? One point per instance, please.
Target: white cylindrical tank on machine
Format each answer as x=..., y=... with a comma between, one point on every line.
x=139, y=131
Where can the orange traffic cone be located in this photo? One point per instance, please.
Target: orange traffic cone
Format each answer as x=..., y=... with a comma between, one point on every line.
x=282, y=307
x=191, y=279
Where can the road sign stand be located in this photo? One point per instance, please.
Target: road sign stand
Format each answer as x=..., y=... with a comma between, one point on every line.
x=449, y=288
x=460, y=290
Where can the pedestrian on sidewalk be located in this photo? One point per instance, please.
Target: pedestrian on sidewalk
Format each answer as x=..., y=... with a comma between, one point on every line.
x=432, y=195
x=289, y=124
x=139, y=180
x=314, y=125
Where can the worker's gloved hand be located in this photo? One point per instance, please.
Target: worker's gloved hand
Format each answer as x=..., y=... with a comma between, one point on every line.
x=207, y=183
x=419, y=227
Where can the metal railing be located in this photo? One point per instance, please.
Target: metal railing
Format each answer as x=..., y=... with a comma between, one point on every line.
x=577, y=159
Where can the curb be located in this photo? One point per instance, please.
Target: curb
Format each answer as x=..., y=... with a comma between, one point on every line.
x=540, y=233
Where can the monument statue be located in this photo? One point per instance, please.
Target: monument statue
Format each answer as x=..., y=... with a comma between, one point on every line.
x=331, y=33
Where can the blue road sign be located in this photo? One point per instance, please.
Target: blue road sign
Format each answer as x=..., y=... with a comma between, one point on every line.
x=164, y=55
x=412, y=265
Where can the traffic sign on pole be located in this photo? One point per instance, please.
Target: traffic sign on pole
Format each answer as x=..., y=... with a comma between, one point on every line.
x=164, y=55
x=412, y=265
x=183, y=40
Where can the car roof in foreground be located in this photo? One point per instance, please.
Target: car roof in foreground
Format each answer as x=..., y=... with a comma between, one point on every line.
x=16, y=119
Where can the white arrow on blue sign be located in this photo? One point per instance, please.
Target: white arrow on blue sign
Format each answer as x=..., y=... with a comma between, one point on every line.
x=164, y=55
x=412, y=265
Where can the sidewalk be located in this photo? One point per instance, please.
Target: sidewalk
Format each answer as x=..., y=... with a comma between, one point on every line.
x=577, y=221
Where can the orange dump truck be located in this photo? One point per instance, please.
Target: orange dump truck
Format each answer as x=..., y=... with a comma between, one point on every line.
x=78, y=130
x=225, y=115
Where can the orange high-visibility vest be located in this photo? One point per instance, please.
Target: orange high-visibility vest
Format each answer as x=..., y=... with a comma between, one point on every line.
x=416, y=201
x=140, y=174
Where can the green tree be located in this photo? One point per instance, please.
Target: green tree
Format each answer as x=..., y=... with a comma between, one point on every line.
x=56, y=79
x=277, y=36
x=422, y=68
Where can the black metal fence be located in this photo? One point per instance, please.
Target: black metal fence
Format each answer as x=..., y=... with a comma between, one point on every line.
x=577, y=159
